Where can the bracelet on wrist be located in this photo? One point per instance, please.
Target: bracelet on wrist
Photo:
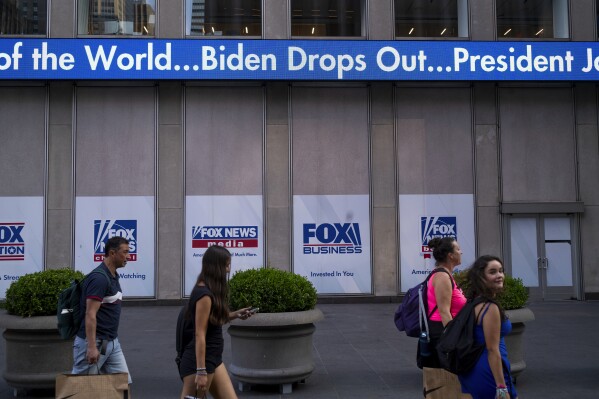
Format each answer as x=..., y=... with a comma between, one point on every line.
x=201, y=369
x=501, y=386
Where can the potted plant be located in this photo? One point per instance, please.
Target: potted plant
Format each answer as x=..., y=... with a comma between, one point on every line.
x=35, y=353
x=513, y=300
x=273, y=347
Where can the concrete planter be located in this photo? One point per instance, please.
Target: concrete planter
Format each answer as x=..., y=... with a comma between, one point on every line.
x=273, y=348
x=35, y=353
x=514, y=341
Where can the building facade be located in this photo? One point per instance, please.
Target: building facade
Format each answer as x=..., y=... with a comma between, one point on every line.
x=278, y=169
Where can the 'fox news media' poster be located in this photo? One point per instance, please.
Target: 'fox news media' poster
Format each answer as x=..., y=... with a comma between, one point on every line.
x=422, y=217
x=21, y=238
x=99, y=218
x=331, y=242
x=232, y=221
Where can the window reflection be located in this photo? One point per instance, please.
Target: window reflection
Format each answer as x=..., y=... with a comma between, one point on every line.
x=326, y=18
x=431, y=18
x=117, y=17
x=532, y=19
x=23, y=17
x=223, y=18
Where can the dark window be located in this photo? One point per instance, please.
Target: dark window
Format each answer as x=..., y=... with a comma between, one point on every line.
x=431, y=18
x=334, y=18
x=223, y=18
x=23, y=17
x=117, y=17
x=531, y=19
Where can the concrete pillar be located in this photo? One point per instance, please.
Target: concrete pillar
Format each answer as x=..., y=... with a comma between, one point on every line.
x=380, y=11
x=62, y=14
x=275, y=19
x=487, y=191
x=384, y=191
x=278, y=172
x=587, y=142
x=582, y=21
x=171, y=22
x=483, y=20
x=59, y=212
x=170, y=199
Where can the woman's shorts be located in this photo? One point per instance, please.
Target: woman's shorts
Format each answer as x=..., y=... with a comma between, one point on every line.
x=188, y=362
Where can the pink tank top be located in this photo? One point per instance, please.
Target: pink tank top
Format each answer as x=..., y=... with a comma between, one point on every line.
x=458, y=300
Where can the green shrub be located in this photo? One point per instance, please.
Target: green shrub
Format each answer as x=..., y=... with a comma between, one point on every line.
x=514, y=295
x=36, y=294
x=462, y=280
x=271, y=290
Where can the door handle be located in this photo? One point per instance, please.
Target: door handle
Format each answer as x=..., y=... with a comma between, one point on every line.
x=540, y=263
x=546, y=263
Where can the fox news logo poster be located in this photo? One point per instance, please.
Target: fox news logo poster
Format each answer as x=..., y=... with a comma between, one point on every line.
x=331, y=242
x=232, y=221
x=12, y=244
x=97, y=219
x=436, y=226
x=21, y=238
x=106, y=229
x=225, y=236
x=423, y=217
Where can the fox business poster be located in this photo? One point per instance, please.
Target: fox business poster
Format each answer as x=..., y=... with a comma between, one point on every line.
x=423, y=217
x=231, y=221
x=98, y=219
x=331, y=242
x=21, y=238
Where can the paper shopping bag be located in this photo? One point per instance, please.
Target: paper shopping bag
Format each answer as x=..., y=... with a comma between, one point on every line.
x=441, y=384
x=97, y=386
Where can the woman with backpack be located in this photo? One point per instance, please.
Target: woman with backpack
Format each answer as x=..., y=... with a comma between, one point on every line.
x=444, y=301
x=201, y=367
x=490, y=378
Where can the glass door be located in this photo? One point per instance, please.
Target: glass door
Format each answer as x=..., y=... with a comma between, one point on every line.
x=557, y=270
x=542, y=255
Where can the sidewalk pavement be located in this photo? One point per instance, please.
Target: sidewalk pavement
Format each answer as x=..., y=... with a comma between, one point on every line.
x=359, y=354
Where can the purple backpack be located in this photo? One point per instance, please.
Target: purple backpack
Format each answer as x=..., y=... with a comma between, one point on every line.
x=413, y=310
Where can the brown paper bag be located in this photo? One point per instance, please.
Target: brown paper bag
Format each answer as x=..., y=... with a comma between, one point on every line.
x=97, y=386
x=441, y=384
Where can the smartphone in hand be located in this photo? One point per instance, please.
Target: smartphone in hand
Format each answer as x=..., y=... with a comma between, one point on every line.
x=253, y=310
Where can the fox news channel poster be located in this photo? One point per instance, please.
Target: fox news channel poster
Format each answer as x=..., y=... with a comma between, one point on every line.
x=422, y=217
x=232, y=221
x=331, y=242
x=98, y=219
x=21, y=238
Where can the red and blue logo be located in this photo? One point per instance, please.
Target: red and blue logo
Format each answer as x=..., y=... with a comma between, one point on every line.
x=436, y=227
x=106, y=229
x=225, y=236
x=12, y=245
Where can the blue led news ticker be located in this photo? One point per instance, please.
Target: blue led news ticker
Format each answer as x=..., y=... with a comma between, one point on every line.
x=352, y=60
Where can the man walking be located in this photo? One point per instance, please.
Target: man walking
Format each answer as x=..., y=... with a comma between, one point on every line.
x=96, y=348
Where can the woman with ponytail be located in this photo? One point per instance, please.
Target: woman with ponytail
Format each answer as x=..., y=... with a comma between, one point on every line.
x=445, y=299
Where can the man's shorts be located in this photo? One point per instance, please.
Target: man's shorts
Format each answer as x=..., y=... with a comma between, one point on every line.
x=112, y=361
